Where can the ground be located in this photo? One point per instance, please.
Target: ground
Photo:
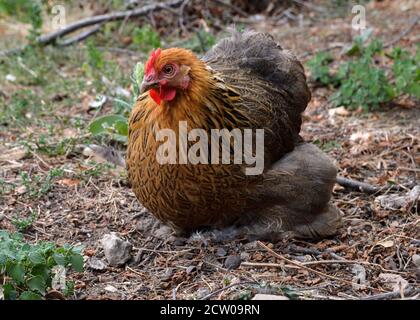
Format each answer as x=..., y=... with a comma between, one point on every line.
x=72, y=199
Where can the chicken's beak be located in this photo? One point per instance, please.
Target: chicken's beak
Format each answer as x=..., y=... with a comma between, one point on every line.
x=147, y=85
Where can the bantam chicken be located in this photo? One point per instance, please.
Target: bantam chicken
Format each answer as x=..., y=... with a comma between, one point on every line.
x=246, y=81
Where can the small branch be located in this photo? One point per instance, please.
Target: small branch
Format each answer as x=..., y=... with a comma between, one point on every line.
x=51, y=37
x=404, y=33
x=227, y=287
x=393, y=295
x=298, y=264
x=357, y=186
x=80, y=37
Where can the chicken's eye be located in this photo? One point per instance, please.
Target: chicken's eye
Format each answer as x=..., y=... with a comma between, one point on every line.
x=168, y=69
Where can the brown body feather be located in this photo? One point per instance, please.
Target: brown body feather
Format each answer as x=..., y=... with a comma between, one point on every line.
x=246, y=81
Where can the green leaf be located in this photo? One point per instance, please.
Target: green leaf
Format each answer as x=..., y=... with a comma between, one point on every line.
x=59, y=259
x=17, y=272
x=36, y=258
x=37, y=283
x=9, y=292
x=41, y=270
x=76, y=261
x=29, y=295
x=101, y=124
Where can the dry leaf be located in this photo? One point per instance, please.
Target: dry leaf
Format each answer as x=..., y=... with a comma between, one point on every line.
x=14, y=154
x=68, y=182
x=21, y=190
x=386, y=244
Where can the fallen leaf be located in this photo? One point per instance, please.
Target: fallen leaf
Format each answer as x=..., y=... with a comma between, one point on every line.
x=386, y=244
x=21, y=190
x=14, y=154
x=111, y=288
x=340, y=111
x=68, y=182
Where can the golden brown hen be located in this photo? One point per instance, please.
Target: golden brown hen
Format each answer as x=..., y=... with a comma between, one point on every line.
x=246, y=81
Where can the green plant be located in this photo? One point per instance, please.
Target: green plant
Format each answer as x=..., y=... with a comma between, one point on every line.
x=362, y=84
x=26, y=11
x=146, y=38
x=362, y=81
x=320, y=68
x=406, y=72
x=116, y=125
x=94, y=56
x=27, y=270
x=39, y=185
x=23, y=224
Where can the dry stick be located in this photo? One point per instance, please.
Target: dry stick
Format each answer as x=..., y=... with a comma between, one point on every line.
x=356, y=185
x=404, y=33
x=227, y=287
x=80, y=37
x=51, y=37
x=364, y=187
x=277, y=265
x=393, y=295
x=276, y=255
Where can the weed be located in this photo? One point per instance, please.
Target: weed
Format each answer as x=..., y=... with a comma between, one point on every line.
x=146, y=38
x=361, y=82
x=28, y=269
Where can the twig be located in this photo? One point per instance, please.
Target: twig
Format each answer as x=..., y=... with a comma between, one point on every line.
x=393, y=295
x=232, y=7
x=52, y=37
x=80, y=37
x=227, y=287
x=311, y=53
x=298, y=264
x=404, y=33
x=181, y=16
x=364, y=187
x=309, y=263
x=267, y=265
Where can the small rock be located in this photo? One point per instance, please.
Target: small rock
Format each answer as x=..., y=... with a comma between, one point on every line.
x=340, y=111
x=359, y=280
x=415, y=258
x=221, y=252
x=232, y=262
x=251, y=245
x=261, y=296
x=96, y=264
x=179, y=242
x=245, y=256
x=98, y=102
x=2, y=216
x=398, y=202
x=393, y=281
x=111, y=289
x=163, y=232
x=191, y=269
x=117, y=251
x=10, y=77
x=168, y=275
x=202, y=292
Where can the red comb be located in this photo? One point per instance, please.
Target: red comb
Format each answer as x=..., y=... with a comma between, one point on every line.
x=152, y=59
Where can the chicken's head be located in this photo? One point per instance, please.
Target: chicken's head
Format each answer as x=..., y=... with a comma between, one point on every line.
x=166, y=72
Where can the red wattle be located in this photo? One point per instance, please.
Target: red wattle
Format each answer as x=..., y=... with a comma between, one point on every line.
x=155, y=96
x=167, y=94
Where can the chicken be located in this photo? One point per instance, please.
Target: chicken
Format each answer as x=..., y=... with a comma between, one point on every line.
x=247, y=81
